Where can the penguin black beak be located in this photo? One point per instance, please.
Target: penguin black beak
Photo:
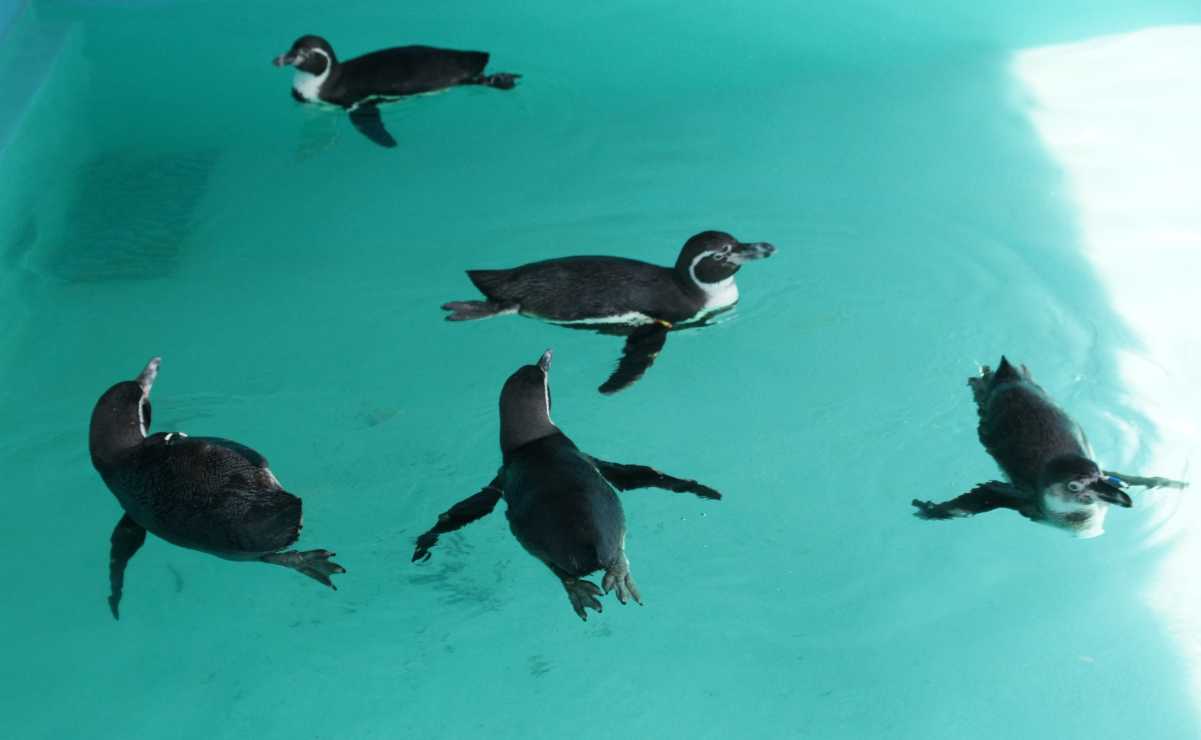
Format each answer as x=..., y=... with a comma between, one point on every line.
x=749, y=251
x=146, y=378
x=1110, y=493
x=544, y=361
x=284, y=60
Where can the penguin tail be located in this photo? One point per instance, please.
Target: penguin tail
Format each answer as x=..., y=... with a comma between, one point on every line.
x=983, y=384
x=499, y=80
x=1006, y=371
x=472, y=310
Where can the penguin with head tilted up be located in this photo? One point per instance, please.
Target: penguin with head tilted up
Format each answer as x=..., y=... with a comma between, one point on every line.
x=560, y=501
x=1045, y=456
x=614, y=295
x=361, y=84
x=203, y=493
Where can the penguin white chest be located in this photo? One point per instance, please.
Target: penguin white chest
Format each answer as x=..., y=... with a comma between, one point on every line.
x=308, y=86
x=720, y=295
x=1084, y=521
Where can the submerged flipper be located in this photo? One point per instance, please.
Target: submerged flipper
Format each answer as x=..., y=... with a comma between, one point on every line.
x=626, y=477
x=367, y=120
x=127, y=538
x=984, y=497
x=641, y=349
x=458, y=516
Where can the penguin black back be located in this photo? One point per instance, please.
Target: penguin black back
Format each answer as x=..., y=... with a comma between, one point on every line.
x=1021, y=427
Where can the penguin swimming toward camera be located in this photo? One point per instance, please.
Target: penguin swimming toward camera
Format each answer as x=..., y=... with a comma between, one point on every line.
x=203, y=493
x=560, y=501
x=614, y=295
x=1045, y=456
x=359, y=85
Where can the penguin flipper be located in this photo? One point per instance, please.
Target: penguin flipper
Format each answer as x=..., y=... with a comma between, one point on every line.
x=367, y=120
x=639, y=353
x=1147, y=482
x=458, y=516
x=625, y=477
x=984, y=497
x=127, y=539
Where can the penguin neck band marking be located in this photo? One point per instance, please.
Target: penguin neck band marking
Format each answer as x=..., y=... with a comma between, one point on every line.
x=721, y=294
x=308, y=86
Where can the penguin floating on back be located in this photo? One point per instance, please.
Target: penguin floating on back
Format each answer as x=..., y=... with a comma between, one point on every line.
x=560, y=501
x=361, y=84
x=614, y=295
x=203, y=493
x=1045, y=456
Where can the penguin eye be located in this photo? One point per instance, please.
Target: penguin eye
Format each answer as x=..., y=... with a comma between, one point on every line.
x=1075, y=486
x=718, y=256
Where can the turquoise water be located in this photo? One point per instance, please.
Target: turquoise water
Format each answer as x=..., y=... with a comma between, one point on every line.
x=160, y=194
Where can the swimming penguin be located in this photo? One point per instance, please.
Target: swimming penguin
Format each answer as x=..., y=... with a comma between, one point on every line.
x=361, y=84
x=1045, y=457
x=614, y=295
x=560, y=501
x=203, y=493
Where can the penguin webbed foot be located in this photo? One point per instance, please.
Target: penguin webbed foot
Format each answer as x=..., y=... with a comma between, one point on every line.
x=931, y=510
x=315, y=564
x=1147, y=482
x=618, y=578
x=582, y=595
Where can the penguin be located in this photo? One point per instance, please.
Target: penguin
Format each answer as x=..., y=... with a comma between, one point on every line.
x=615, y=295
x=359, y=85
x=560, y=501
x=1051, y=476
x=202, y=493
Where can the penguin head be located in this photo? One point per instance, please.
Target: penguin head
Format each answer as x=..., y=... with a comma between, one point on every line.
x=121, y=418
x=311, y=54
x=525, y=405
x=1075, y=483
x=712, y=257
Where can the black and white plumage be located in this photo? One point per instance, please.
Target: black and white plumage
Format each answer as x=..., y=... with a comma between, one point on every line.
x=561, y=505
x=614, y=295
x=203, y=493
x=1050, y=473
x=362, y=83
